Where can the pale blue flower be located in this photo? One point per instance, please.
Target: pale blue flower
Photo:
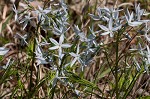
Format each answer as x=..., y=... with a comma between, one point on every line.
x=146, y=35
x=147, y=59
x=16, y=12
x=43, y=41
x=59, y=45
x=58, y=78
x=94, y=17
x=3, y=50
x=39, y=56
x=26, y=20
x=76, y=56
x=9, y=62
x=42, y=14
x=130, y=19
x=91, y=39
x=22, y=37
x=148, y=54
x=110, y=29
x=80, y=33
x=139, y=12
x=64, y=6
x=138, y=67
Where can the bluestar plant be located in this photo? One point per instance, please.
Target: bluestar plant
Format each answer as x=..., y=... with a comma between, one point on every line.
x=59, y=26
x=63, y=56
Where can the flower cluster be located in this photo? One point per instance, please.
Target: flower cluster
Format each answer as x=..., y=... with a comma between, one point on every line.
x=55, y=20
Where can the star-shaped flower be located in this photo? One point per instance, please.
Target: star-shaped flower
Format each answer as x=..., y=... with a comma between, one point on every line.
x=130, y=19
x=23, y=38
x=39, y=56
x=59, y=45
x=148, y=54
x=76, y=57
x=80, y=33
x=16, y=12
x=26, y=20
x=110, y=28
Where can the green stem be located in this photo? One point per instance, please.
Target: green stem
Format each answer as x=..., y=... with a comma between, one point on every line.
x=32, y=67
x=116, y=67
x=52, y=92
x=33, y=58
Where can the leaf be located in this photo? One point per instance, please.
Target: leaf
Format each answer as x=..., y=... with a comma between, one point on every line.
x=103, y=74
x=6, y=22
x=39, y=84
x=76, y=79
x=145, y=97
x=131, y=84
x=7, y=74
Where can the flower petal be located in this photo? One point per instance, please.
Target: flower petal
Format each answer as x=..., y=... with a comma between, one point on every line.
x=60, y=52
x=73, y=62
x=61, y=39
x=54, y=41
x=65, y=45
x=135, y=23
x=73, y=54
x=3, y=51
x=53, y=48
x=131, y=17
x=110, y=24
x=105, y=33
x=103, y=27
x=94, y=17
x=116, y=28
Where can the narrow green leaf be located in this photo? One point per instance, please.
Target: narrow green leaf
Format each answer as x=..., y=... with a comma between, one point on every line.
x=103, y=74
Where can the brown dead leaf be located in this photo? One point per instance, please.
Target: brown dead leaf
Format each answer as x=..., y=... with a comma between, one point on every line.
x=4, y=11
x=35, y=4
